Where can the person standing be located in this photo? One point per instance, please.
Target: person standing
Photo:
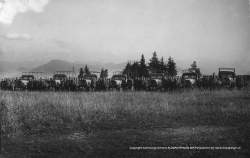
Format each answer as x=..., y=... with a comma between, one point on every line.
x=93, y=84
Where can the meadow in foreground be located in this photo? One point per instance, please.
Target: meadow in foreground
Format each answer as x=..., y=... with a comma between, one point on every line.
x=54, y=124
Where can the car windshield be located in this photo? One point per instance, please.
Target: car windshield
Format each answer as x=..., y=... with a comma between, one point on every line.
x=190, y=76
x=155, y=77
x=118, y=78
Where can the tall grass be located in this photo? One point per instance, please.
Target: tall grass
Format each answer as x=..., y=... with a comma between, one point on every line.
x=49, y=112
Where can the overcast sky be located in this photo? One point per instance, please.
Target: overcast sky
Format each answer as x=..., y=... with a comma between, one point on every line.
x=120, y=30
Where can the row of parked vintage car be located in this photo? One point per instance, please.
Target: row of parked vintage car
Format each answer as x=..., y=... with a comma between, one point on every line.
x=119, y=81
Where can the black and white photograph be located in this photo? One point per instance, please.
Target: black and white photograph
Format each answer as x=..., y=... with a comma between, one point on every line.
x=124, y=78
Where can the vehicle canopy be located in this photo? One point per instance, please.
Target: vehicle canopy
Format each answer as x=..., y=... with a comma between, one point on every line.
x=190, y=75
x=156, y=76
x=59, y=76
x=35, y=74
x=119, y=77
x=89, y=76
x=27, y=77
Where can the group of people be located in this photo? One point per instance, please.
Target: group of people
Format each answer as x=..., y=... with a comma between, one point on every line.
x=74, y=84
x=93, y=84
x=215, y=82
x=62, y=84
x=163, y=83
x=35, y=84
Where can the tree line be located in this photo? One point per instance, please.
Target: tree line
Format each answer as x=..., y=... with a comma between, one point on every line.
x=103, y=74
x=155, y=65
x=141, y=69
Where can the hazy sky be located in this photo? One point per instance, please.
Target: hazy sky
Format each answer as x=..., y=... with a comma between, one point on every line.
x=120, y=30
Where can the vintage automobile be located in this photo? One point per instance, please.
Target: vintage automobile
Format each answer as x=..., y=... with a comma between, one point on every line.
x=227, y=76
x=85, y=81
x=117, y=80
x=155, y=82
x=24, y=80
x=56, y=82
x=189, y=78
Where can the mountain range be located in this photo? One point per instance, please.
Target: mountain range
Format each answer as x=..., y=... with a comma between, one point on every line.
x=6, y=66
x=61, y=65
x=11, y=69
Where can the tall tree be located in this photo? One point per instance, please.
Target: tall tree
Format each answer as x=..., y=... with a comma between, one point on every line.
x=81, y=72
x=195, y=68
x=135, y=68
x=127, y=68
x=154, y=62
x=86, y=69
x=162, y=65
x=106, y=73
x=142, y=67
x=198, y=71
x=102, y=73
x=142, y=61
x=171, y=67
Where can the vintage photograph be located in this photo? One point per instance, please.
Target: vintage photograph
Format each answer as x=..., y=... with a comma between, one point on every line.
x=124, y=78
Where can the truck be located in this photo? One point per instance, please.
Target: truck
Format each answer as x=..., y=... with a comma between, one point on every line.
x=189, y=78
x=117, y=79
x=155, y=82
x=85, y=81
x=26, y=77
x=227, y=77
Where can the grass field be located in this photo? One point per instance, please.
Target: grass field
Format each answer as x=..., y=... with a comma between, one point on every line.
x=120, y=124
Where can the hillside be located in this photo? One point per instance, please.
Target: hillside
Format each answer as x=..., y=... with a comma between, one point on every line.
x=97, y=64
x=22, y=69
x=119, y=67
x=6, y=66
x=61, y=65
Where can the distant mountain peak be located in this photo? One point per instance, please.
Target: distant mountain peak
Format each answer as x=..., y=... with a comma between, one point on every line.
x=21, y=69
